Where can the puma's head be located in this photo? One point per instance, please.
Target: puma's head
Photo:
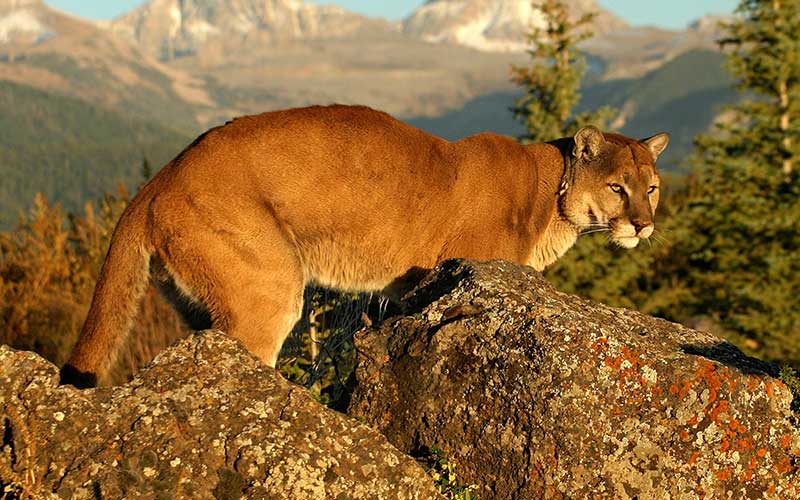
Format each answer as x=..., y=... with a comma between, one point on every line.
x=616, y=185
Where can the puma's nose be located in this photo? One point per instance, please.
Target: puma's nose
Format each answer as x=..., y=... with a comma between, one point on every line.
x=643, y=229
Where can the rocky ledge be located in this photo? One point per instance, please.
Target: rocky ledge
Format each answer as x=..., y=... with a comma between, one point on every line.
x=205, y=420
x=537, y=394
x=530, y=392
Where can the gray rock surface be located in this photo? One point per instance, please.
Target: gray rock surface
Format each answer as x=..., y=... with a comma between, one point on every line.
x=537, y=394
x=204, y=420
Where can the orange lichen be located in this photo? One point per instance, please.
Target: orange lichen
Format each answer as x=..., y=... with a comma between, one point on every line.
x=786, y=441
x=762, y=452
x=693, y=458
x=745, y=444
x=721, y=407
x=723, y=475
x=601, y=343
x=784, y=466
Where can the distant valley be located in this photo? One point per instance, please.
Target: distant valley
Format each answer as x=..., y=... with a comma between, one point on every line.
x=85, y=102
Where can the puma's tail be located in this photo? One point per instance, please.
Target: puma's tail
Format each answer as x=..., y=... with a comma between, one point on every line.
x=123, y=280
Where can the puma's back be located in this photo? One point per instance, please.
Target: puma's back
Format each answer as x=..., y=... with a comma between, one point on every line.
x=358, y=193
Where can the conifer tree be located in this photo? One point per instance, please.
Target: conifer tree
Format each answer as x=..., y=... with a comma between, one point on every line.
x=743, y=227
x=552, y=81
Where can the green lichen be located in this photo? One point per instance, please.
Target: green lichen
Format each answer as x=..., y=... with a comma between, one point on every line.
x=791, y=378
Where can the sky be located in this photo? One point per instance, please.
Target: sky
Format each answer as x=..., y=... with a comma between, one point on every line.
x=666, y=14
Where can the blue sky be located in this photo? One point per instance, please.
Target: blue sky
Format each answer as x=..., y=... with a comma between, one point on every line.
x=671, y=14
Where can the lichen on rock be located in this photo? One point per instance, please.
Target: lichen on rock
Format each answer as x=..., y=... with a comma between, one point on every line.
x=205, y=420
x=538, y=394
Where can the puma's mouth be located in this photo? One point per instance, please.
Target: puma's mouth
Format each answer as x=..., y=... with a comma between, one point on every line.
x=626, y=241
x=624, y=235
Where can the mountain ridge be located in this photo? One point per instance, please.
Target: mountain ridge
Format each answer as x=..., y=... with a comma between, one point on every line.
x=169, y=29
x=494, y=25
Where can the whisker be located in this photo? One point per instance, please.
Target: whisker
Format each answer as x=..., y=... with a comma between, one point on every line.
x=594, y=231
x=660, y=237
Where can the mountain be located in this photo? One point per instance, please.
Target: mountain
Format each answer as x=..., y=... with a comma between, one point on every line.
x=70, y=150
x=255, y=55
x=20, y=24
x=494, y=25
x=636, y=50
x=504, y=25
x=62, y=54
x=170, y=29
x=252, y=56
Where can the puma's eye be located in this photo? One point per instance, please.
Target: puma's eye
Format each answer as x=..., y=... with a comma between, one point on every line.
x=652, y=189
x=616, y=188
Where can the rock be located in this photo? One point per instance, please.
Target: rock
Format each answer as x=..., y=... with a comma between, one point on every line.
x=204, y=420
x=537, y=394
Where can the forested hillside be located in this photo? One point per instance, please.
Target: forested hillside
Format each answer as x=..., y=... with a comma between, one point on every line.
x=677, y=97
x=683, y=97
x=70, y=150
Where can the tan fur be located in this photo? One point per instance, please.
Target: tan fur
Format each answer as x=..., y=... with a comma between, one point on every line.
x=345, y=197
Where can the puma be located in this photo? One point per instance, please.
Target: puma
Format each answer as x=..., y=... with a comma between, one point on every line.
x=349, y=198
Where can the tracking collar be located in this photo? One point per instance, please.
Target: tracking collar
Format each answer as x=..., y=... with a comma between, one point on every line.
x=569, y=172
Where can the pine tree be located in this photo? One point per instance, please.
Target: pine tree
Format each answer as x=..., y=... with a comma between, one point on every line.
x=552, y=81
x=743, y=239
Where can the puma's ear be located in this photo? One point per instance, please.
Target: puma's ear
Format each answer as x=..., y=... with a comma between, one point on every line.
x=588, y=142
x=657, y=144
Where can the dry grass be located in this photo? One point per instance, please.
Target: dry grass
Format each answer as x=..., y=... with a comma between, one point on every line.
x=48, y=267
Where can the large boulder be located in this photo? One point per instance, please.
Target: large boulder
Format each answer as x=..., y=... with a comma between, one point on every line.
x=537, y=394
x=204, y=420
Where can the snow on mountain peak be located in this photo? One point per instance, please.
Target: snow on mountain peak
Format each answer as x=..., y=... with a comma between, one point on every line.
x=20, y=22
x=491, y=25
x=167, y=28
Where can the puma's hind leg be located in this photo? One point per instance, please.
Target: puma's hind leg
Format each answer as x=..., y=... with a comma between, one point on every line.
x=251, y=284
x=263, y=319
